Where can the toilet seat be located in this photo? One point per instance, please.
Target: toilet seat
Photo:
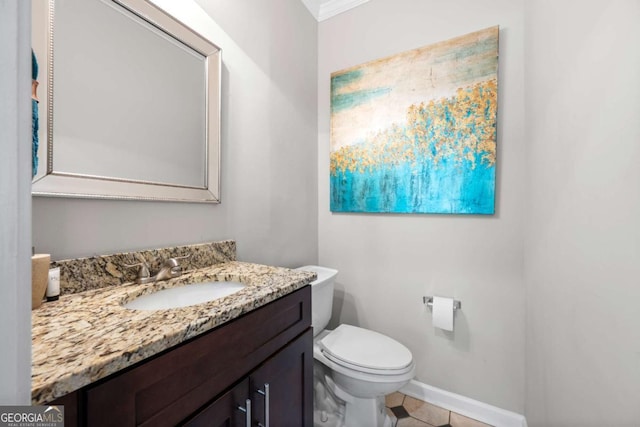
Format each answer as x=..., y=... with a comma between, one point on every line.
x=366, y=351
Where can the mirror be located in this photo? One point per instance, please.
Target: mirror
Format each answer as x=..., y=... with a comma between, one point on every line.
x=133, y=111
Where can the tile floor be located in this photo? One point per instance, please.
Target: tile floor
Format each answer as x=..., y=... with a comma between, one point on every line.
x=412, y=412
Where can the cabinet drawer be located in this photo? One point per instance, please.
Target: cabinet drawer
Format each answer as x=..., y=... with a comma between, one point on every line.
x=168, y=388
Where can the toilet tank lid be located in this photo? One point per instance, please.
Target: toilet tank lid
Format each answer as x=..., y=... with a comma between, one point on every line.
x=323, y=273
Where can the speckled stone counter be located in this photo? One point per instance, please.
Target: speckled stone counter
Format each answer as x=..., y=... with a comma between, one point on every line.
x=86, y=336
x=83, y=274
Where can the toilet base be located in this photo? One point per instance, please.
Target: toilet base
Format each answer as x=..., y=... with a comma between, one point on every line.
x=367, y=412
x=328, y=409
x=333, y=407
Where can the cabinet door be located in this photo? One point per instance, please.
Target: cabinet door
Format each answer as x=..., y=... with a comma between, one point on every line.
x=229, y=410
x=71, y=403
x=285, y=382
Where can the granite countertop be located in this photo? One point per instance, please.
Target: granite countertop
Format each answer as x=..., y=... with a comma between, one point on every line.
x=86, y=336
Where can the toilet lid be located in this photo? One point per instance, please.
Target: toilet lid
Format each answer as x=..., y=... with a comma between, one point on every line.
x=365, y=349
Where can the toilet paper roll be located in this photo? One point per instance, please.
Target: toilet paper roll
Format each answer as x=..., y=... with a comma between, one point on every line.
x=443, y=313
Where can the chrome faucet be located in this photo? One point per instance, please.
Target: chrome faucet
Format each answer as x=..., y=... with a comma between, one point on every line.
x=170, y=269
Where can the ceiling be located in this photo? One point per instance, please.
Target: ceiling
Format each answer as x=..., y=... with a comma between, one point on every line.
x=325, y=9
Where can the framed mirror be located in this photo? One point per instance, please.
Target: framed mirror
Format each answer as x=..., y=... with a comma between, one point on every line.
x=129, y=103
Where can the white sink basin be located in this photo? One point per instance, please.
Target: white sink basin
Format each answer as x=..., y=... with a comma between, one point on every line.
x=183, y=296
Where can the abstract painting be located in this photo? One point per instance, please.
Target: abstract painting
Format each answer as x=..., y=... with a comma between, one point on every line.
x=416, y=132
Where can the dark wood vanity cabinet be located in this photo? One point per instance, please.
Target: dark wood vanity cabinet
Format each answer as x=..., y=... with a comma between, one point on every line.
x=213, y=379
x=275, y=394
x=228, y=410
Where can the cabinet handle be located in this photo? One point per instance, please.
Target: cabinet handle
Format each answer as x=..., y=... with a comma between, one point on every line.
x=265, y=393
x=247, y=412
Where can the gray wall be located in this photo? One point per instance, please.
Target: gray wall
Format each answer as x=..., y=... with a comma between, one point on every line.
x=15, y=203
x=576, y=209
x=269, y=134
x=583, y=206
x=388, y=262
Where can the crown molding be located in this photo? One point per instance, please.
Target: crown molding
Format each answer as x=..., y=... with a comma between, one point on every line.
x=332, y=8
x=325, y=9
x=313, y=6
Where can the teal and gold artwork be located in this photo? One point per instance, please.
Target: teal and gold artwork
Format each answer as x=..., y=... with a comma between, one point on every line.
x=416, y=132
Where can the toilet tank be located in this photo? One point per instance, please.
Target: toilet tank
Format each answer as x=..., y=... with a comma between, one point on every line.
x=321, y=296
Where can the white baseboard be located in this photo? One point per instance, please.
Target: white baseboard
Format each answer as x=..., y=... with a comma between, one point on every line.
x=464, y=406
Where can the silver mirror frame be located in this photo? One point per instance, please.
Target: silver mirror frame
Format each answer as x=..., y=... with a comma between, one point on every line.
x=58, y=184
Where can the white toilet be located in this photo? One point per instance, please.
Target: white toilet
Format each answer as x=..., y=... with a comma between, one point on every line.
x=354, y=367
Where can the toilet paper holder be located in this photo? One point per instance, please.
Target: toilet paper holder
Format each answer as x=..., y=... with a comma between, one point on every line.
x=457, y=305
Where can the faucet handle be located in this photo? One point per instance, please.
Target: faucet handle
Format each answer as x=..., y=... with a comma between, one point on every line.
x=143, y=273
